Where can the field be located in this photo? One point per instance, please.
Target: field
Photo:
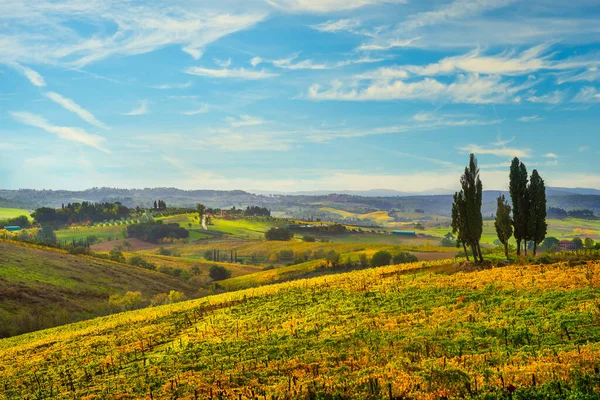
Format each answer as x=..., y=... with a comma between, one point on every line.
x=6, y=213
x=415, y=331
x=41, y=287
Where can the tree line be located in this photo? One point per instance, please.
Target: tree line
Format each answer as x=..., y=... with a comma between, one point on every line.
x=525, y=219
x=77, y=213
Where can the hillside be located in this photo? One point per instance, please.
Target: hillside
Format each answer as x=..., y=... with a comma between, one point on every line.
x=419, y=331
x=41, y=287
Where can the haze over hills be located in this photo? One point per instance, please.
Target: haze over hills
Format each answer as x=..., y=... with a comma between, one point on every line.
x=436, y=202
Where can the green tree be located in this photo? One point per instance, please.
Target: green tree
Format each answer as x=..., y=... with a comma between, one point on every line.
x=218, y=273
x=537, y=226
x=201, y=209
x=578, y=243
x=589, y=243
x=470, y=206
x=503, y=223
x=459, y=227
x=381, y=258
x=520, y=202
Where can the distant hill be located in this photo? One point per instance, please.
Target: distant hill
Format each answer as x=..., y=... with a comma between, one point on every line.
x=40, y=288
x=300, y=204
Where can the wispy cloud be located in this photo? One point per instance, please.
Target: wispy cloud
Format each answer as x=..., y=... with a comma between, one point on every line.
x=70, y=105
x=72, y=134
x=33, y=76
x=331, y=26
x=587, y=94
x=173, y=86
x=324, y=6
x=141, y=110
x=201, y=110
x=555, y=97
x=550, y=155
x=240, y=73
x=244, y=120
x=255, y=61
x=223, y=63
x=497, y=151
x=389, y=44
x=469, y=89
x=530, y=118
x=288, y=63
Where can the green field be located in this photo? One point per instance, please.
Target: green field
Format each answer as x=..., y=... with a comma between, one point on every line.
x=103, y=233
x=413, y=331
x=6, y=213
x=42, y=287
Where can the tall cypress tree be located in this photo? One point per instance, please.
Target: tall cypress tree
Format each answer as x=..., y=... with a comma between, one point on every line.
x=458, y=222
x=520, y=202
x=537, y=226
x=472, y=190
x=503, y=223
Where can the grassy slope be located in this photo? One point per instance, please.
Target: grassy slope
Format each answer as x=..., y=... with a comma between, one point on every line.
x=6, y=213
x=421, y=333
x=41, y=287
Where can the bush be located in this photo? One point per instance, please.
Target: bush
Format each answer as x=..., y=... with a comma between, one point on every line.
x=286, y=255
x=404, y=257
x=363, y=260
x=156, y=231
x=275, y=233
x=218, y=273
x=382, y=257
x=116, y=255
x=309, y=239
x=128, y=301
x=333, y=258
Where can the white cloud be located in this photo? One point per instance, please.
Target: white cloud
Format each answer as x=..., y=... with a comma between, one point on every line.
x=141, y=110
x=458, y=9
x=33, y=76
x=324, y=6
x=140, y=28
x=337, y=25
x=173, y=86
x=550, y=155
x=244, y=120
x=255, y=61
x=555, y=97
x=390, y=44
x=587, y=94
x=530, y=118
x=70, y=105
x=223, y=63
x=64, y=132
x=240, y=73
x=288, y=63
x=203, y=109
x=497, y=151
x=468, y=89
x=583, y=149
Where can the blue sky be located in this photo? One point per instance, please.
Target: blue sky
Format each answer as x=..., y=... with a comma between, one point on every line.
x=296, y=95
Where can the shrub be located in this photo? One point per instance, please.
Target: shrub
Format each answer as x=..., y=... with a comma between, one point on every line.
x=275, y=233
x=333, y=258
x=218, y=273
x=309, y=239
x=116, y=255
x=286, y=255
x=128, y=301
x=382, y=257
x=404, y=257
x=363, y=260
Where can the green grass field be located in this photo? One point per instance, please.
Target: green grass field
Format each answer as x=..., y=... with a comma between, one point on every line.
x=43, y=287
x=412, y=331
x=103, y=233
x=6, y=213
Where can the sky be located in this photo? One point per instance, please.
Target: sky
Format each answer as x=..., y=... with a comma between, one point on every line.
x=297, y=95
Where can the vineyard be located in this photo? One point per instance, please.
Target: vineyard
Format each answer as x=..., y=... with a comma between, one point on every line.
x=422, y=331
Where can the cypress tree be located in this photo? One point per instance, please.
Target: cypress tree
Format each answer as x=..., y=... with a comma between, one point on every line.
x=458, y=222
x=537, y=226
x=520, y=202
x=503, y=223
x=472, y=193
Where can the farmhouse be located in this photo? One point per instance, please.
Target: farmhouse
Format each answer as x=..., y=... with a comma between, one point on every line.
x=404, y=233
x=567, y=245
x=12, y=228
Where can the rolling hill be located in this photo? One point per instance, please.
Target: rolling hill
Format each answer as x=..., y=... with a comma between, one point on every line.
x=440, y=330
x=41, y=287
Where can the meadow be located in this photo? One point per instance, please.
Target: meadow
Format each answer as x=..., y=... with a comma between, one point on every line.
x=419, y=331
x=6, y=213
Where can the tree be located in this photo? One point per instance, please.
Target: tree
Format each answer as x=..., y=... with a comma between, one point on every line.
x=275, y=233
x=201, y=209
x=537, y=226
x=218, y=273
x=381, y=258
x=550, y=243
x=578, y=243
x=333, y=258
x=46, y=235
x=589, y=243
x=458, y=222
x=404, y=257
x=503, y=223
x=469, y=201
x=520, y=201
